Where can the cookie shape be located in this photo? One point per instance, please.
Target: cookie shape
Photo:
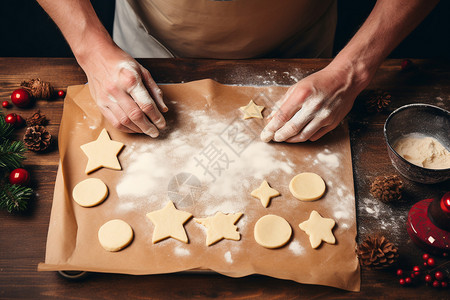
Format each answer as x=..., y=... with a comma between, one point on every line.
x=115, y=235
x=102, y=153
x=221, y=226
x=264, y=193
x=168, y=223
x=251, y=110
x=319, y=229
x=307, y=186
x=90, y=192
x=272, y=231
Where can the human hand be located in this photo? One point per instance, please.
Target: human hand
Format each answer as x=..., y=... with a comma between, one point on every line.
x=314, y=106
x=125, y=92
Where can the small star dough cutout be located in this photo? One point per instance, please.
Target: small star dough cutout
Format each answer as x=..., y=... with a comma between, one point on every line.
x=264, y=193
x=319, y=229
x=102, y=153
x=221, y=226
x=251, y=110
x=168, y=223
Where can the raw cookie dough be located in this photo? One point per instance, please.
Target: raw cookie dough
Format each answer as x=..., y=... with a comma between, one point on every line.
x=319, y=229
x=264, y=193
x=168, y=223
x=423, y=151
x=307, y=186
x=251, y=110
x=102, y=153
x=221, y=226
x=272, y=231
x=115, y=235
x=90, y=192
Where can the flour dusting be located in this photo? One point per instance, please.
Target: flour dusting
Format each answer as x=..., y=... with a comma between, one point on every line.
x=228, y=257
x=296, y=247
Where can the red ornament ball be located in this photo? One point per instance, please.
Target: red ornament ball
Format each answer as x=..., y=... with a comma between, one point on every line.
x=401, y=281
x=19, y=176
x=399, y=272
x=426, y=256
x=416, y=270
x=5, y=104
x=408, y=280
x=19, y=122
x=11, y=119
x=430, y=262
x=428, y=278
x=21, y=98
x=436, y=284
x=444, y=284
x=61, y=93
x=439, y=275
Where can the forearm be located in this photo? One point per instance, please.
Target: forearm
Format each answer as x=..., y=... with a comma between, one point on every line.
x=80, y=26
x=388, y=24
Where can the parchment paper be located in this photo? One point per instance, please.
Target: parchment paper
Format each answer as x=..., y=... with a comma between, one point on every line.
x=208, y=159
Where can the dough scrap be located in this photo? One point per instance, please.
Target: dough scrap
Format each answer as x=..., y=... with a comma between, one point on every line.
x=115, y=235
x=251, y=110
x=264, y=193
x=168, y=223
x=272, y=231
x=307, y=186
x=319, y=229
x=90, y=192
x=102, y=153
x=220, y=226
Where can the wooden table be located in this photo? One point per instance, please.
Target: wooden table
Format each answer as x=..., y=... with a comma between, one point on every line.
x=23, y=236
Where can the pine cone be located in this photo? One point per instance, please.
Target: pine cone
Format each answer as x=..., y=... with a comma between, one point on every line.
x=36, y=119
x=387, y=188
x=376, y=252
x=37, y=138
x=378, y=102
x=38, y=89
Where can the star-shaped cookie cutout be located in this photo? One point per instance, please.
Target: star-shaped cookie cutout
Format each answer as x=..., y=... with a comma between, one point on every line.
x=264, y=193
x=251, y=110
x=102, y=153
x=168, y=223
x=319, y=229
x=221, y=226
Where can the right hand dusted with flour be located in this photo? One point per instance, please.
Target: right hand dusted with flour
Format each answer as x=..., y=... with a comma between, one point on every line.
x=125, y=92
x=314, y=106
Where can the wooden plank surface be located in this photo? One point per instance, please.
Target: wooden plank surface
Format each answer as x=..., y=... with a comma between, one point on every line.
x=23, y=236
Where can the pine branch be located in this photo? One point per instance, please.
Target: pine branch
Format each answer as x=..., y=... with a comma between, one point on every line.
x=14, y=197
x=11, y=154
x=5, y=128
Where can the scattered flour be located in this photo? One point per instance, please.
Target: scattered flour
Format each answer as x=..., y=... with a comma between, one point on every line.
x=228, y=257
x=181, y=251
x=296, y=247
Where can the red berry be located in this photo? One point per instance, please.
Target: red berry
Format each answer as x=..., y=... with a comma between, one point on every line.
x=19, y=122
x=430, y=262
x=425, y=256
x=11, y=119
x=399, y=272
x=428, y=278
x=61, y=93
x=20, y=98
x=401, y=281
x=416, y=270
x=5, y=104
x=19, y=176
x=412, y=275
x=439, y=275
x=425, y=264
x=444, y=284
x=436, y=284
x=408, y=280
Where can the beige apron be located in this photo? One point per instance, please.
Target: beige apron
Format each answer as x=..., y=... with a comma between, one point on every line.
x=225, y=29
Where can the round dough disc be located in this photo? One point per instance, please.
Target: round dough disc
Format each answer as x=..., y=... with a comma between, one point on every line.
x=272, y=231
x=307, y=186
x=115, y=235
x=90, y=192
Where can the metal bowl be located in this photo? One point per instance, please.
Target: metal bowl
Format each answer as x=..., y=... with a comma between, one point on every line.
x=423, y=119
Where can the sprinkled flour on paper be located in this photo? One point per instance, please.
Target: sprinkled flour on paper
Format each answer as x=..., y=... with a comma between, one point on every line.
x=296, y=247
x=228, y=257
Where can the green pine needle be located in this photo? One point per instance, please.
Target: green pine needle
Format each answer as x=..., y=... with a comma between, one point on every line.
x=14, y=197
x=11, y=154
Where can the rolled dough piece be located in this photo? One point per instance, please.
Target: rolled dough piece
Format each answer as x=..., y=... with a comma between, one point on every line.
x=307, y=186
x=90, y=192
x=115, y=235
x=264, y=193
x=272, y=231
x=102, y=153
x=221, y=226
x=319, y=229
x=251, y=110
